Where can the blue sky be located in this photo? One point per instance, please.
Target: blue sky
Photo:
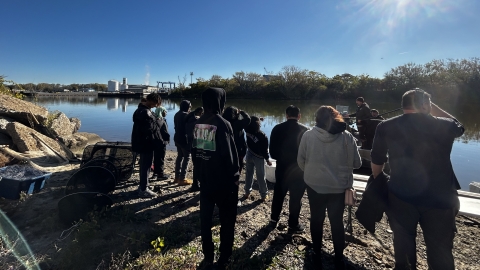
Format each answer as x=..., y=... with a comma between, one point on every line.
x=147, y=41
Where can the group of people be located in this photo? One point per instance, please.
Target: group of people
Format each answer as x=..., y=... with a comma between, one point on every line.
x=320, y=160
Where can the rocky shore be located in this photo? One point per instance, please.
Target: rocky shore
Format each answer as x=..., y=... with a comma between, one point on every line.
x=164, y=232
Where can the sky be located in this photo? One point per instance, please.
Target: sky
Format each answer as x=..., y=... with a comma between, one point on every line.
x=93, y=41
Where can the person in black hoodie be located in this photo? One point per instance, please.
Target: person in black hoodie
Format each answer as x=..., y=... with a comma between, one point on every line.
x=180, y=138
x=145, y=135
x=232, y=114
x=257, y=155
x=191, y=120
x=361, y=115
x=215, y=154
x=284, y=141
x=161, y=149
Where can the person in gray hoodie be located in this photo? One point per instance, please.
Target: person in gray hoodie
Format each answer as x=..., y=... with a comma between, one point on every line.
x=327, y=155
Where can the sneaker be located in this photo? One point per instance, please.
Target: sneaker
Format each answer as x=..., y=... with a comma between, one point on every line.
x=184, y=182
x=245, y=196
x=194, y=188
x=174, y=181
x=163, y=177
x=297, y=230
x=206, y=264
x=154, y=175
x=147, y=193
x=263, y=199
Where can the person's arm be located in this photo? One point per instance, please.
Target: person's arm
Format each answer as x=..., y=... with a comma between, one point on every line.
x=230, y=154
x=275, y=144
x=264, y=150
x=379, y=150
x=302, y=152
x=376, y=169
x=439, y=112
x=357, y=160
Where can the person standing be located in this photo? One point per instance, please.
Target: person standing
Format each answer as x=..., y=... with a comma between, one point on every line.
x=215, y=154
x=239, y=121
x=284, y=141
x=423, y=186
x=160, y=149
x=327, y=155
x=257, y=155
x=145, y=134
x=180, y=138
x=190, y=120
x=361, y=115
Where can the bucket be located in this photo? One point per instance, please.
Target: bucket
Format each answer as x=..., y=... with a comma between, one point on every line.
x=270, y=171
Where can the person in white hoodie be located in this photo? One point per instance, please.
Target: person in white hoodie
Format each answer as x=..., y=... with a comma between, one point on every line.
x=327, y=155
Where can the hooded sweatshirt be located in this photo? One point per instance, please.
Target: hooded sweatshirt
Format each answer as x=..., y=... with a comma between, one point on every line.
x=238, y=126
x=213, y=146
x=328, y=158
x=179, y=123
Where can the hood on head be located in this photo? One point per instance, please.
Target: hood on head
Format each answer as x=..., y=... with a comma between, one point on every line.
x=214, y=100
x=230, y=114
x=254, y=125
x=185, y=105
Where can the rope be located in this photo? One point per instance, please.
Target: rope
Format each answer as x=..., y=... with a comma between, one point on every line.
x=69, y=231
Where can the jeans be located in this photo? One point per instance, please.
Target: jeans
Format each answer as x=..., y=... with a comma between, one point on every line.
x=258, y=164
x=438, y=226
x=145, y=165
x=335, y=205
x=288, y=180
x=183, y=156
x=159, y=159
x=226, y=202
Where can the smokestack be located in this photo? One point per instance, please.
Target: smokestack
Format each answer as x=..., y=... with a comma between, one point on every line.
x=124, y=81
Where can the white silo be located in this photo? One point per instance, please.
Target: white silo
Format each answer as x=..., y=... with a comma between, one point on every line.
x=112, y=86
x=124, y=85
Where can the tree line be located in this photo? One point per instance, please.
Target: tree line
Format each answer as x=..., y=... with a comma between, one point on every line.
x=445, y=79
x=56, y=87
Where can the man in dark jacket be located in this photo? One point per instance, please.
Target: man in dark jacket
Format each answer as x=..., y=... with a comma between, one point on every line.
x=239, y=121
x=284, y=142
x=145, y=135
x=422, y=187
x=361, y=115
x=191, y=120
x=161, y=149
x=180, y=138
x=216, y=156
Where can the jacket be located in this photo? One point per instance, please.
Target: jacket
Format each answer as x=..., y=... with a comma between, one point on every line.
x=238, y=126
x=179, y=123
x=362, y=113
x=284, y=141
x=145, y=131
x=258, y=144
x=374, y=202
x=190, y=121
x=328, y=160
x=213, y=146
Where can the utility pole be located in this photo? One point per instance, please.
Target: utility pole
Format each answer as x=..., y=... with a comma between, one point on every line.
x=191, y=76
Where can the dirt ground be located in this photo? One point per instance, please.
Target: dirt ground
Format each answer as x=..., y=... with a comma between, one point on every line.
x=123, y=236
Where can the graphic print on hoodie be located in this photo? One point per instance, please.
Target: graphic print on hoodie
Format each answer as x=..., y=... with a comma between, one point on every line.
x=204, y=137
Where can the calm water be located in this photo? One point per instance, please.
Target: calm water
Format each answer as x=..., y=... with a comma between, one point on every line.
x=111, y=118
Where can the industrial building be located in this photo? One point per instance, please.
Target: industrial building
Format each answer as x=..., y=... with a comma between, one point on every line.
x=115, y=86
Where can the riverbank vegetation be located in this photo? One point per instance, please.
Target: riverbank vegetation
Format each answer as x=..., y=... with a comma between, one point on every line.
x=445, y=79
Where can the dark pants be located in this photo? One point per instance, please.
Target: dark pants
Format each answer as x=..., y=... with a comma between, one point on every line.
x=159, y=159
x=288, y=181
x=226, y=202
x=145, y=165
x=438, y=226
x=335, y=205
x=181, y=163
x=241, y=162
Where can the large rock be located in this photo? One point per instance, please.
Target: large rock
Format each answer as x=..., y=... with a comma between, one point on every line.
x=61, y=125
x=4, y=120
x=21, y=110
x=77, y=142
x=76, y=124
x=25, y=140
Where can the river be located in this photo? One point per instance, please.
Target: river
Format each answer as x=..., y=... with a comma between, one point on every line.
x=111, y=118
